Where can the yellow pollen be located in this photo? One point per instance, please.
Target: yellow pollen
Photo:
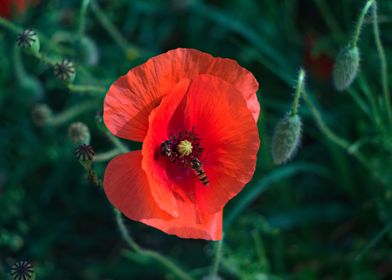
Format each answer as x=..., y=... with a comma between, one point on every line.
x=184, y=148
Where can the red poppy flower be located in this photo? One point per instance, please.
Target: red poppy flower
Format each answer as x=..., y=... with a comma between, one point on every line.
x=8, y=6
x=196, y=116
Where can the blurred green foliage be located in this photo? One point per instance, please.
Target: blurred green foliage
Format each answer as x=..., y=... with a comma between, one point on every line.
x=324, y=215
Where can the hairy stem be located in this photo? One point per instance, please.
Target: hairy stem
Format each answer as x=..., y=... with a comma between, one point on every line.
x=298, y=90
x=358, y=26
x=82, y=17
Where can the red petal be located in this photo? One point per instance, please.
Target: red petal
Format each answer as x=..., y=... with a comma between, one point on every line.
x=161, y=186
x=229, y=137
x=132, y=97
x=126, y=186
x=219, y=115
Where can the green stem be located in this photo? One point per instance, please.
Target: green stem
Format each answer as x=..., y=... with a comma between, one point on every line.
x=124, y=232
x=358, y=26
x=82, y=17
x=19, y=69
x=329, y=18
x=120, y=146
x=298, y=90
x=344, y=144
x=71, y=113
x=85, y=88
x=106, y=155
x=129, y=50
x=383, y=61
x=374, y=241
x=10, y=26
x=218, y=257
x=181, y=274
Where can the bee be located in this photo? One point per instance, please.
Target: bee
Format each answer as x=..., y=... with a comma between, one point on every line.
x=199, y=171
x=166, y=149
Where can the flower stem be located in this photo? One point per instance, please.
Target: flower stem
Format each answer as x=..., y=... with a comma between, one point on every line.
x=358, y=26
x=218, y=257
x=180, y=273
x=82, y=17
x=383, y=61
x=106, y=155
x=130, y=51
x=85, y=88
x=71, y=113
x=10, y=26
x=298, y=90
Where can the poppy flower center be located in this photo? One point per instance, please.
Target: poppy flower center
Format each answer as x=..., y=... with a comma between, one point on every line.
x=182, y=148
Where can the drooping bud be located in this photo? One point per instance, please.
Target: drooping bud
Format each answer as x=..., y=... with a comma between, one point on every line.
x=41, y=114
x=65, y=70
x=346, y=67
x=84, y=152
x=286, y=138
x=79, y=133
x=28, y=40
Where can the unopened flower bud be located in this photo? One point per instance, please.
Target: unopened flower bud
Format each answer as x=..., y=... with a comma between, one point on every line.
x=79, y=133
x=346, y=67
x=28, y=40
x=84, y=152
x=286, y=138
x=65, y=70
x=41, y=114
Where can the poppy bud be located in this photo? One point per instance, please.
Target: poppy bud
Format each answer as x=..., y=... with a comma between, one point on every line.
x=65, y=70
x=346, y=67
x=84, y=152
x=28, y=40
x=79, y=133
x=286, y=138
x=41, y=114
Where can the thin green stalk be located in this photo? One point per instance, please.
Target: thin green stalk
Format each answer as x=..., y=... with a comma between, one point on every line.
x=19, y=68
x=124, y=232
x=10, y=26
x=383, y=61
x=323, y=127
x=106, y=155
x=82, y=17
x=129, y=50
x=218, y=257
x=358, y=26
x=329, y=18
x=298, y=90
x=176, y=270
x=375, y=240
x=339, y=141
x=86, y=88
x=71, y=113
x=115, y=141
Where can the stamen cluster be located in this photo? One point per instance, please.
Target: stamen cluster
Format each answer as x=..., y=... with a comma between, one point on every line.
x=169, y=148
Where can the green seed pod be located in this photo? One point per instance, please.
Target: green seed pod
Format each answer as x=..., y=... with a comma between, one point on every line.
x=41, y=114
x=65, y=70
x=28, y=40
x=286, y=138
x=346, y=67
x=79, y=133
